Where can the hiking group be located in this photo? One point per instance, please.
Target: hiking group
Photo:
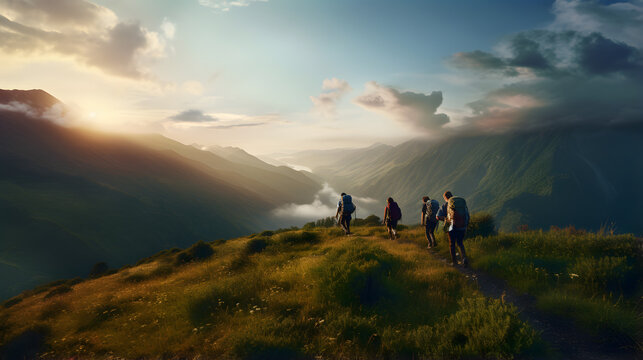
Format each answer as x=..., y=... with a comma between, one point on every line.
x=453, y=212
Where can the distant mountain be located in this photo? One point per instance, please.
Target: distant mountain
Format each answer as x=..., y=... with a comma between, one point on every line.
x=70, y=198
x=582, y=177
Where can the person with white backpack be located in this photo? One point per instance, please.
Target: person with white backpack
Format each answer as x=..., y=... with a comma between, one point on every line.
x=430, y=208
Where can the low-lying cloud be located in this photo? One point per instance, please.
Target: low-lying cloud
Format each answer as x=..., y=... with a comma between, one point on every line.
x=416, y=109
x=324, y=204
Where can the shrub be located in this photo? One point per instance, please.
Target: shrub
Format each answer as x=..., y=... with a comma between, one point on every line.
x=11, y=302
x=482, y=328
x=26, y=345
x=371, y=220
x=197, y=252
x=298, y=237
x=481, y=224
x=160, y=271
x=62, y=289
x=356, y=274
x=99, y=269
x=602, y=274
x=267, y=233
x=255, y=245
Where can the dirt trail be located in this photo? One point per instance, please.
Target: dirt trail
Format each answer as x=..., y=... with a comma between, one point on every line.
x=561, y=334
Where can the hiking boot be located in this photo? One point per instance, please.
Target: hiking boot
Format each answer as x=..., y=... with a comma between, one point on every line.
x=465, y=262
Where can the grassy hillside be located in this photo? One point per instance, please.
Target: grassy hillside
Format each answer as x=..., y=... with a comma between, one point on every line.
x=592, y=278
x=293, y=294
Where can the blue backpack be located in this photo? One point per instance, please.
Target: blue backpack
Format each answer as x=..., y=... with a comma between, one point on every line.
x=432, y=208
x=347, y=205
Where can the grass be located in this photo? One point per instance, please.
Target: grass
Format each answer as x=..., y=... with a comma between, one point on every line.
x=591, y=278
x=293, y=294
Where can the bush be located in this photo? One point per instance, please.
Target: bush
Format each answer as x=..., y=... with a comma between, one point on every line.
x=62, y=289
x=602, y=274
x=357, y=274
x=159, y=271
x=481, y=224
x=371, y=220
x=482, y=328
x=11, y=302
x=99, y=269
x=298, y=237
x=197, y=252
x=255, y=245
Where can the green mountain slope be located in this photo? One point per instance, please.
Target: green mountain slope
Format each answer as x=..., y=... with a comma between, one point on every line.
x=72, y=197
x=587, y=178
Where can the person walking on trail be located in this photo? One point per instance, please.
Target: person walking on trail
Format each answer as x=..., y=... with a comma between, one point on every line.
x=392, y=214
x=456, y=216
x=345, y=208
x=430, y=208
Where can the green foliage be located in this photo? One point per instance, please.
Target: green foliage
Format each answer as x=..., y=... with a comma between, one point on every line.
x=197, y=252
x=371, y=220
x=321, y=223
x=161, y=270
x=481, y=224
x=482, y=327
x=297, y=237
x=226, y=297
x=610, y=323
x=608, y=273
x=357, y=274
x=256, y=245
x=552, y=265
x=99, y=315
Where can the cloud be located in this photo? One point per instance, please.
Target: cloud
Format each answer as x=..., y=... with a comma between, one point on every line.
x=324, y=204
x=621, y=20
x=578, y=71
x=194, y=118
x=416, y=109
x=57, y=113
x=326, y=103
x=83, y=31
x=168, y=28
x=226, y=5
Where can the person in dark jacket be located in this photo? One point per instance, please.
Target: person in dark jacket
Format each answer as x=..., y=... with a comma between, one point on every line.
x=344, y=217
x=429, y=223
x=392, y=215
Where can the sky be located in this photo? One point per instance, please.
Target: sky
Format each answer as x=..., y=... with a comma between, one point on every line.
x=275, y=76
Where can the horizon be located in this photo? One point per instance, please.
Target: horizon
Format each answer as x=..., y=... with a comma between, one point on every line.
x=295, y=76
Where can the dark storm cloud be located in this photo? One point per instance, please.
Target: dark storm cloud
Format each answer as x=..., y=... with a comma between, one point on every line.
x=563, y=75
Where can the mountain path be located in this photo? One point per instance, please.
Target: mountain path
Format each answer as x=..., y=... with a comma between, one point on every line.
x=566, y=338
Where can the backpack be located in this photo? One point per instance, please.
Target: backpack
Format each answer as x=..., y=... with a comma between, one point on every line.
x=432, y=208
x=394, y=211
x=457, y=212
x=347, y=205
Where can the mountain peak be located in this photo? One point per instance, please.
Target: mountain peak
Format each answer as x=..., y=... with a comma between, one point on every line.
x=36, y=98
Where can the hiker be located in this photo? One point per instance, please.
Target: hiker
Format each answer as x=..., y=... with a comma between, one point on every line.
x=430, y=208
x=345, y=208
x=456, y=216
x=392, y=214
